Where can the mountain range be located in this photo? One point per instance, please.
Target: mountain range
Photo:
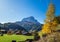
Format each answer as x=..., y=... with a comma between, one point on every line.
x=28, y=24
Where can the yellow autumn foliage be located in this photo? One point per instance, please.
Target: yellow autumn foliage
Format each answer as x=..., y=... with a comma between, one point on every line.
x=49, y=27
x=46, y=29
x=50, y=21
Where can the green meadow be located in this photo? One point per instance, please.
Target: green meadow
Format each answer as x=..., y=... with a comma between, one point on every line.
x=9, y=38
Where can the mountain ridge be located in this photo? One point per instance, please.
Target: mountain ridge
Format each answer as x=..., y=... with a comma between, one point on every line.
x=28, y=24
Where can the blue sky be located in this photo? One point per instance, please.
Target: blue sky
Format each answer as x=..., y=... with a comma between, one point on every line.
x=16, y=10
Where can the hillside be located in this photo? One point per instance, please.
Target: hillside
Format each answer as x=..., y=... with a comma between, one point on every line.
x=30, y=24
x=53, y=37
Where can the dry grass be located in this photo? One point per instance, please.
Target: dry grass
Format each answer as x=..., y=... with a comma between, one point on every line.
x=53, y=37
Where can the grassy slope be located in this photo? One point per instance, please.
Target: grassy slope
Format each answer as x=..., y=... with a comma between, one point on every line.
x=9, y=38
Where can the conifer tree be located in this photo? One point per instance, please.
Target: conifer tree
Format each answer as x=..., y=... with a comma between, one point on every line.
x=50, y=23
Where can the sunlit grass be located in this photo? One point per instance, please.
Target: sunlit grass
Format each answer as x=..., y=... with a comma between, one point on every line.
x=9, y=38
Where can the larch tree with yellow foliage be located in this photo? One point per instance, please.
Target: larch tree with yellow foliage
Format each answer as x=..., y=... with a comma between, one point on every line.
x=50, y=23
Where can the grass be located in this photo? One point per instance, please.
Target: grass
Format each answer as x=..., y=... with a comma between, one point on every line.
x=9, y=38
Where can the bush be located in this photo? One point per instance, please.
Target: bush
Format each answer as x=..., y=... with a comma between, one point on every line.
x=36, y=37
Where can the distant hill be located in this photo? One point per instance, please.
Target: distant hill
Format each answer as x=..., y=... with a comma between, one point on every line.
x=12, y=26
